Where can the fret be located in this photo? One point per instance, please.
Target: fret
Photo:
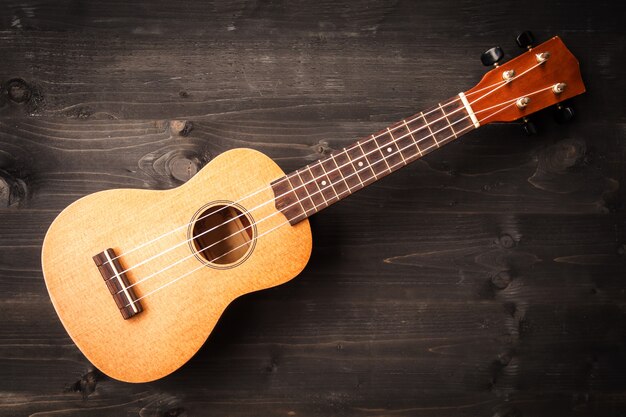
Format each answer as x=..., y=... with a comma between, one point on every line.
x=446, y=117
x=302, y=194
x=344, y=167
x=394, y=141
x=343, y=160
x=362, y=166
x=441, y=131
x=324, y=183
x=431, y=134
x=287, y=201
x=422, y=133
x=417, y=146
x=404, y=142
x=458, y=116
x=367, y=161
x=377, y=141
x=332, y=171
x=328, y=180
x=294, y=194
x=388, y=148
x=374, y=156
x=310, y=183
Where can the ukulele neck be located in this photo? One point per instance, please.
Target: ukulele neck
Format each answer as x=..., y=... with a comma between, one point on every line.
x=316, y=186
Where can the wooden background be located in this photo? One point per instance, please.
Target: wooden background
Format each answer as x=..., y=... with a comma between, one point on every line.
x=486, y=280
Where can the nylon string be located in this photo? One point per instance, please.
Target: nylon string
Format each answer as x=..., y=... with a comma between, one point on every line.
x=313, y=179
x=511, y=103
x=372, y=137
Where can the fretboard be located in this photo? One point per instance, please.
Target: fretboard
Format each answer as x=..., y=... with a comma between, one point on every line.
x=316, y=186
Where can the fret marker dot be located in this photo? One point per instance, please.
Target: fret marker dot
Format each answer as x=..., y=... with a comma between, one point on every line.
x=323, y=182
x=360, y=163
x=389, y=149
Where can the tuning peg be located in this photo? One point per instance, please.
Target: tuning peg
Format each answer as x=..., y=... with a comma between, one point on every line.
x=492, y=56
x=525, y=39
x=529, y=127
x=563, y=114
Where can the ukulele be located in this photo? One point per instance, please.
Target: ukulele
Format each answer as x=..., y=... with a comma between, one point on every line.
x=139, y=278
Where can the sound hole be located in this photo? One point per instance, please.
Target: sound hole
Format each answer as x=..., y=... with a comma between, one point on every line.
x=222, y=234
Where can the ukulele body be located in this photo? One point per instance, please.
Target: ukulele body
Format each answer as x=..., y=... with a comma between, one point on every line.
x=186, y=290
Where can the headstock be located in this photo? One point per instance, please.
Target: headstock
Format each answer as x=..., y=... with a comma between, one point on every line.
x=543, y=76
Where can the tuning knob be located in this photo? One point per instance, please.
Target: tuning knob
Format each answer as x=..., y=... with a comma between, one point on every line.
x=492, y=56
x=529, y=127
x=563, y=114
x=525, y=40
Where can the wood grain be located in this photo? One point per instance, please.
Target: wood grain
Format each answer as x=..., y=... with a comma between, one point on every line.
x=181, y=297
x=486, y=279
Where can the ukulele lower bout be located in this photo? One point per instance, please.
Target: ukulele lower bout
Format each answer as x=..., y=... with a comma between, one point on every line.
x=211, y=252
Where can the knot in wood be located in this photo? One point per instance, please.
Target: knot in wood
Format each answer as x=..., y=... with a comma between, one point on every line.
x=322, y=148
x=506, y=241
x=501, y=280
x=565, y=154
x=175, y=412
x=272, y=368
x=18, y=90
x=183, y=168
x=5, y=193
x=181, y=127
x=3, y=96
x=12, y=190
x=84, y=112
x=85, y=385
x=504, y=358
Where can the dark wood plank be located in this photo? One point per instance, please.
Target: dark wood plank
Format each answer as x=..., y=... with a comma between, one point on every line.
x=491, y=170
x=377, y=64
x=446, y=301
